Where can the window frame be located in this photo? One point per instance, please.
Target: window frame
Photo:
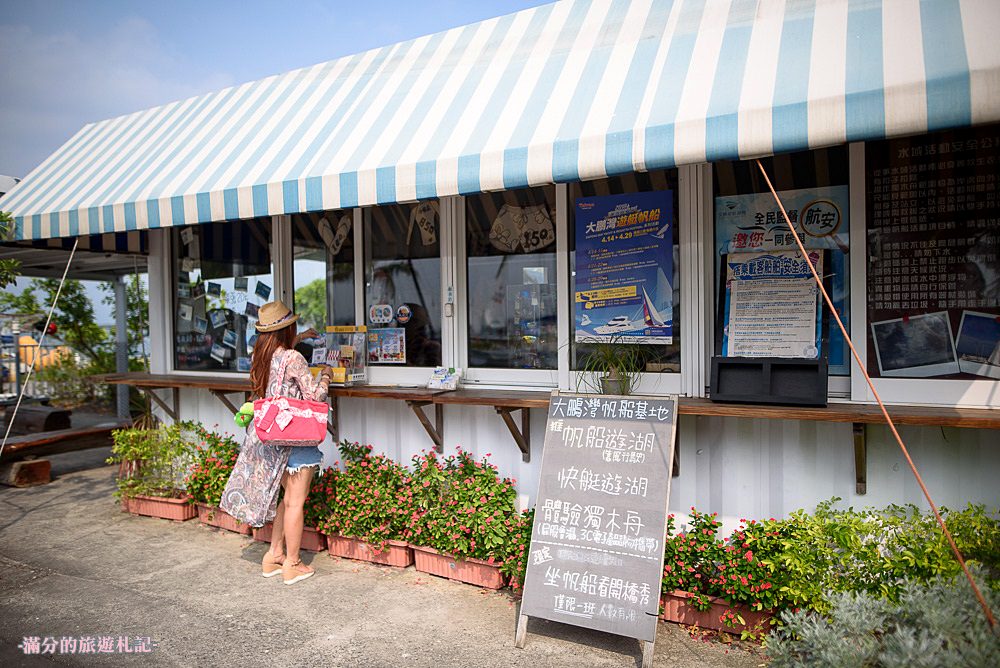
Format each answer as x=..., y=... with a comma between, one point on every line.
x=929, y=391
x=695, y=218
x=496, y=376
x=170, y=286
x=388, y=374
x=648, y=382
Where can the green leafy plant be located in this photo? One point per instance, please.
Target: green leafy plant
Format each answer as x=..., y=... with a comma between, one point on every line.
x=9, y=268
x=735, y=569
x=153, y=461
x=464, y=508
x=876, y=551
x=610, y=366
x=806, y=560
x=373, y=498
x=322, y=498
x=214, y=458
x=931, y=624
x=516, y=563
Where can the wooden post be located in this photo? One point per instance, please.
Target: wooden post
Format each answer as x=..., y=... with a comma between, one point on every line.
x=647, y=653
x=522, y=631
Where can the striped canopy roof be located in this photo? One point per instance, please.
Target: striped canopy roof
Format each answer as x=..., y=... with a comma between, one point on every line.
x=573, y=90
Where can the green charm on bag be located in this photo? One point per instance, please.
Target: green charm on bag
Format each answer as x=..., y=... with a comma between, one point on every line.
x=245, y=415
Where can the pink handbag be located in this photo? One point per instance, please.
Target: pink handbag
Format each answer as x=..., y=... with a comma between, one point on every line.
x=290, y=422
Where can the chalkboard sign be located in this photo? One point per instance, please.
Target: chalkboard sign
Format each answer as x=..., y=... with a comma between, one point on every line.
x=596, y=556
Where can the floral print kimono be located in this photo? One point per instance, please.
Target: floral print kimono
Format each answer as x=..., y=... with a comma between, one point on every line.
x=251, y=494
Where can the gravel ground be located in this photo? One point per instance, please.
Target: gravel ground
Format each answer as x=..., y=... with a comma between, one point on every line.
x=72, y=564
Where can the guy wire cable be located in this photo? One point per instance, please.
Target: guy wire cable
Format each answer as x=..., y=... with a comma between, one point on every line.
x=885, y=413
x=38, y=350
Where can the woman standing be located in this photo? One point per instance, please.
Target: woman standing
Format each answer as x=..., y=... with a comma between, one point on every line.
x=274, y=351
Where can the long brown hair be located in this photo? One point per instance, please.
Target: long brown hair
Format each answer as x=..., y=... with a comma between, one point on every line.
x=263, y=351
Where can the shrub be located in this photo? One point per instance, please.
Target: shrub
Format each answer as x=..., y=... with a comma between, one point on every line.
x=462, y=507
x=373, y=498
x=214, y=459
x=737, y=569
x=66, y=382
x=876, y=551
x=320, y=504
x=154, y=461
x=803, y=561
x=516, y=562
x=935, y=624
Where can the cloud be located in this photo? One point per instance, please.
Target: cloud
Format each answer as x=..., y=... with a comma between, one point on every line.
x=53, y=84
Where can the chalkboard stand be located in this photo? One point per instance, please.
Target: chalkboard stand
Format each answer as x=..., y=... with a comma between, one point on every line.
x=521, y=635
x=667, y=435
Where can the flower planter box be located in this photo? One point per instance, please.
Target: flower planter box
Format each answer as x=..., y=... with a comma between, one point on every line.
x=178, y=510
x=216, y=517
x=472, y=571
x=678, y=608
x=312, y=540
x=396, y=553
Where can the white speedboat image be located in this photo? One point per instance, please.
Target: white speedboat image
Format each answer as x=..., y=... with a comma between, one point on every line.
x=618, y=324
x=651, y=317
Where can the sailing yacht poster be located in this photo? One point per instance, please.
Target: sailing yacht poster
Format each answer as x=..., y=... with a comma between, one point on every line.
x=624, y=263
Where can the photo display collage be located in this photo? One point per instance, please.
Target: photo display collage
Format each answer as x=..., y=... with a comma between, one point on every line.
x=934, y=256
x=218, y=297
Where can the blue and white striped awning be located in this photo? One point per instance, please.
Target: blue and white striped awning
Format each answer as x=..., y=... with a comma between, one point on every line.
x=572, y=90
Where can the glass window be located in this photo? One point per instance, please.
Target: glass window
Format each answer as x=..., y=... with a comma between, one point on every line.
x=223, y=274
x=813, y=187
x=511, y=244
x=323, y=268
x=403, y=284
x=933, y=219
x=624, y=290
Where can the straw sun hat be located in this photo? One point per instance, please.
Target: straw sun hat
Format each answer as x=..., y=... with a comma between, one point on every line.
x=274, y=316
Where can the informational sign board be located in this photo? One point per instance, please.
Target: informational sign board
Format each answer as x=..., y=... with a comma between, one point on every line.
x=821, y=216
x=596, y=555
x=934, y=255
x=771, y=305
x=624, y=265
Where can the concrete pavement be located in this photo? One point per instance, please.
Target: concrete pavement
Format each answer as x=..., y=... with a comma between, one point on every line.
x=72, y=564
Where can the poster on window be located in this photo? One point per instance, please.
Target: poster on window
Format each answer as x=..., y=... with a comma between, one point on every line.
x=753, y=223
x=624, y=261
x=934, y=255
x=387, y=345
x=771, y=305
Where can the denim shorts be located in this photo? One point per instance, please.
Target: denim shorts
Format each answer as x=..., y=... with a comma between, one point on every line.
x=299, y=457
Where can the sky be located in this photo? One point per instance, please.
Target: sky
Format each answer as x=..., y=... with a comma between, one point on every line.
x=64, y=64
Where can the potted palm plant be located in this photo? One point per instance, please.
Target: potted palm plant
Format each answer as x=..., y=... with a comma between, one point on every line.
x=610, y=365
x=152, y=460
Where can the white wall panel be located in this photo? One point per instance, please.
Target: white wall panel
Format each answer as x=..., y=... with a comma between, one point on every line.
x=740, y=468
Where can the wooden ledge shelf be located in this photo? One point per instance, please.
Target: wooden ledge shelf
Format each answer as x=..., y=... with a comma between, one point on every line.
x=415, y=397
x=860, y=416
x=934, y=416
x=507, y=402
x=504, y=402
x=148, y=383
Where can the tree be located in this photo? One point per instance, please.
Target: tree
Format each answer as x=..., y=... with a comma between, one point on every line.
x=310, y=304
x=8, y=268
x=137, y=317
x=74, y=314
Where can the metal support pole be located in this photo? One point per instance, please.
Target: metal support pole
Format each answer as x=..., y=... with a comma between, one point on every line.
x=121, y=343
x=16, y=329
